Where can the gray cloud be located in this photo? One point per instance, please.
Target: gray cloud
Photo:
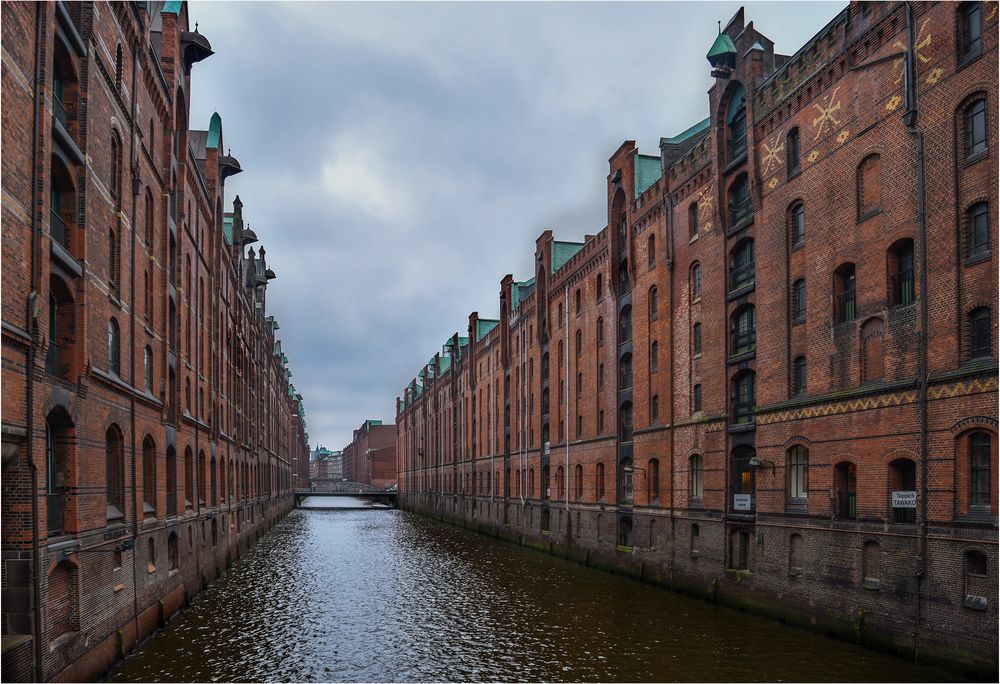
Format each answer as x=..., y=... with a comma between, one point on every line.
x=401, y=158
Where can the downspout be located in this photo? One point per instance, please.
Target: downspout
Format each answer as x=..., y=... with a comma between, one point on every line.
x=137, y=510
x=29, y=372
x=566, y=411
x=910, y=119
x=668, y=208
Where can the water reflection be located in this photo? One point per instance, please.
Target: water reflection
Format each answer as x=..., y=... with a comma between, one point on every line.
x=383, y=595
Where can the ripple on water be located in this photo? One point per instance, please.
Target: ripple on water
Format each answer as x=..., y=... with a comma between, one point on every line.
x=389, y=596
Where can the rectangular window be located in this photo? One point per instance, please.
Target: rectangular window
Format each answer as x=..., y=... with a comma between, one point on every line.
x=972, y=42
x=697, y=398
x=975, y=128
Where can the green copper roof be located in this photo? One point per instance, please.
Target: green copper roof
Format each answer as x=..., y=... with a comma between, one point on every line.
x=445, y=365
x=520, y=291
x=563, y=252
x=695, y=130
x=484, y=326
x=171, y=8
x=722, y=45
x=647, y=172
x=214, y=132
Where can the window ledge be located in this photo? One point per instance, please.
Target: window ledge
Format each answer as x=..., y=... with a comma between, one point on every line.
x=871, y=584
x=742, y=290
x=978, y=258
x=967, y=59
x=798, y=321
x=740, y=225
x=693, y=238
x=974, y=158
x=742, y=356
x=742, y=427
x=795, y=572
x=794, y=172
x=735, y=163
x=869, y=214
x=66, y=259
x=975, y=602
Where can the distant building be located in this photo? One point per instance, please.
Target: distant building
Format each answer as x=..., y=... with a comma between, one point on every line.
x=325, y=464
x=371, y=456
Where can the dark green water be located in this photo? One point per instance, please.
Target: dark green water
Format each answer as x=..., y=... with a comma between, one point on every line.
x=377, y=595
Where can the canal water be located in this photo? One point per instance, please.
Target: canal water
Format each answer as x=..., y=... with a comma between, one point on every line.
x=385, y=595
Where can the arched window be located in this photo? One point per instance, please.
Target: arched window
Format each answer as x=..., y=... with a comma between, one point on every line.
x=654, y=303
x=980, y=333
x=872, y=367
x=844, y=294
x=625, y=324
x=546, y=520
x=744, y=328
x=119, y=66
x=744, y=397
x=625, y=372
x=560, y=483
x=799, y=376
x=696, y=399
x=189, y=493
x=600, y=286
x=62, y=203
x=114, y=464
x=654, y=357
x=654, y=410
x=599, y=482
x=625, y=422
x=900, y=264
x=697, y=477
x=980, y=478
x=59, y=357
x=62, y=612
x=172, y=552
x=625, y=532
x=578, y=481
x=696, y=339
x=531, y=482
x=736, y=122
x=692, y=220
x=626, y=492
x=975, y=129
x=740, y=207
x=903, y=490
x=977, y=220
x=797, y=224
x=171, y=481
x=695, y=282
x=576, y=298
x=741, y=265
x=58, y=470
x=653, y=481
x=798, y=473
x=799, y=300
x=651, y=251
x=869, y=183
x=148, y=476
x=150, y=555
x=794, y=152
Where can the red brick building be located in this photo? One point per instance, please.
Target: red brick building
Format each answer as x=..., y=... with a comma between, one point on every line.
x=150, y=433
x=771, y=378
x=370, y=458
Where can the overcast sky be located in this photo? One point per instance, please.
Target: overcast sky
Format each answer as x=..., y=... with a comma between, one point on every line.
x=399, y=159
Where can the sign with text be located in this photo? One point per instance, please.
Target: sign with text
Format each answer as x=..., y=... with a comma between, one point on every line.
x=904, y=499
x=741, y=502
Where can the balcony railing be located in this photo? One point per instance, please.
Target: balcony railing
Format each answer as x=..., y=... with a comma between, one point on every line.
x=58, y=229
x=845, y=306
x=902, y=288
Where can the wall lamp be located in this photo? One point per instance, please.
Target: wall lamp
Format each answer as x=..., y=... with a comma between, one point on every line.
x=756, y=461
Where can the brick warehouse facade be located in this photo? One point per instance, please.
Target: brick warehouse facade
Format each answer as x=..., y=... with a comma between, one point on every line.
x=150, y=431
x=370, y=458
x=759, y=383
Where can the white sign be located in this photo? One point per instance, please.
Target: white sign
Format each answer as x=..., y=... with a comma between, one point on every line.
x=741, y=502
x=904, y=499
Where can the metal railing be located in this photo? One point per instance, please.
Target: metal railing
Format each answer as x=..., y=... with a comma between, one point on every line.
x=902, y=288
x=845, y=306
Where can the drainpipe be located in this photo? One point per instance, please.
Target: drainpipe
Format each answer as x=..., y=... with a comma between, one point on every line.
x=137, y=511
x=566, y=411
x=910, y=119
x=29, y=373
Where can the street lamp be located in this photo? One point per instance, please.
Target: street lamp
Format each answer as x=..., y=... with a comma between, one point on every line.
x=757, y=460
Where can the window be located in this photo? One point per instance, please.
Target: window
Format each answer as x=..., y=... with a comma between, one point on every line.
x=843, y=294
x=740, y=207
x=980, y=343
x=696, y=282
x=578, y=481
x=654, y=357
x=625, y=325
x=118, y=66
x=148, y=476
x=794, y=152
x=172, y=552
x=114, y=463
x=798, y=472
x=977, y=583
x=651, y=252
x=697, y=475
x=696, y=339
x=697, y=398
x=799, y=301
x=694, y=540
x=692, y=220
x=744, y=397
x=903, y=490
x=744, y=330
x=653, y=480
x=147, y=368
x=736, y=122
x=113, y=266
x=625, y=479
x=739, y=550
x=559, y=319
x=797, y=224
x=654, y=409
x=980, y=479
x=58, y=469
x=600, y=286
x=171, y=481
x=114, y=177
x=149, y=218
x=799, y=376
x=872, y=367
x=577, y=301
x=114, y=348
x=743, y=479
x=625, y=422
x=625, y=532
x=625, y=372
x=970, y=14
x=869, y=187
x=600, y=417
x=189, y=478
x=741, y=265
x=900, y=261
x=654, y=303
x=579, y=344
x=600, y=376
x=599, y=482
x=845, y=483
x=978, y=221
x=600, y=332
x=870, y=565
